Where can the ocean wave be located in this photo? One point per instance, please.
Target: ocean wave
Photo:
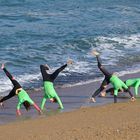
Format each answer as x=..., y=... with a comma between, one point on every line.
x=6, y=85
x=113, y=47
x=121, y=73
x=127, y=10
x=128, y=41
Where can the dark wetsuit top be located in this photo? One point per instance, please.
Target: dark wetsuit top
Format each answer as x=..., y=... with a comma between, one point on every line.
x=50, y=77
x=16, y=86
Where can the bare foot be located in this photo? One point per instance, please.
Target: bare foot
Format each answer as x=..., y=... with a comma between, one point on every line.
x=93, y=100
x=133, y=99
x=95, y=53
x=2, y=66
x=69, y=61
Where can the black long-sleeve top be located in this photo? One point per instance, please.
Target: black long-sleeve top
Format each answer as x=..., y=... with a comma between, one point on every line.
x=50, y=77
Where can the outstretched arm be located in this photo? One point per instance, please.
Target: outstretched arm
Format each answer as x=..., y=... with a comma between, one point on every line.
x=37, y=108
x=18, y=109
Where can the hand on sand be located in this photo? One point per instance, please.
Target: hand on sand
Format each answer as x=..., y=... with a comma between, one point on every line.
x=18, y=113
x=133, y=99
x=40, y=112
x=2, y=66
x=93, y=100
x=103, y=94
x=95, y=53
x=60, y=108
x=69, y=61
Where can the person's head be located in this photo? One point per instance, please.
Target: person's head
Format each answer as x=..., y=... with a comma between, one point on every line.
x=53, y=100
x=27, y=105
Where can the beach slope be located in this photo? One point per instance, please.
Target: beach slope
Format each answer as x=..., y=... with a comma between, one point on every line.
x=110, y=122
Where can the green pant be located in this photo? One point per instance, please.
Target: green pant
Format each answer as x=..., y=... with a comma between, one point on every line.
x=49, y=92
x=23, y=96
x=135, y=82
x=118, y=84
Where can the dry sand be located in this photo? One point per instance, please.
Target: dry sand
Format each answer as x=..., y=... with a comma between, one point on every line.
x=119, y=121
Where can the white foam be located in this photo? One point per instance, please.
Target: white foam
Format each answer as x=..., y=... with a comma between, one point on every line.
x=80, y=67
x=121, y=73
x=77, y=67
x=6, y=85
x=129, y=71
x=28, y=77
x=45, y=14
x=132, y=41
x=111, y=48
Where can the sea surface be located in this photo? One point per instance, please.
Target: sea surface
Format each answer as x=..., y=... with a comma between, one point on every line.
x=34, y=32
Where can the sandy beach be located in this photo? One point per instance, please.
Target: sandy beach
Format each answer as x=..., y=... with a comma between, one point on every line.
x=62, y=35
x=73, y=97
x=81, y=120
x=109, y=122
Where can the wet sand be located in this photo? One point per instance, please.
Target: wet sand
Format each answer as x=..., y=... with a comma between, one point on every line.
x=72, y=97
x=85, y=120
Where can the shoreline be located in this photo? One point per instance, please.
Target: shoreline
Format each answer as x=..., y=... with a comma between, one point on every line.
x=112, y=121
x=79, y=121
x=73, y=98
